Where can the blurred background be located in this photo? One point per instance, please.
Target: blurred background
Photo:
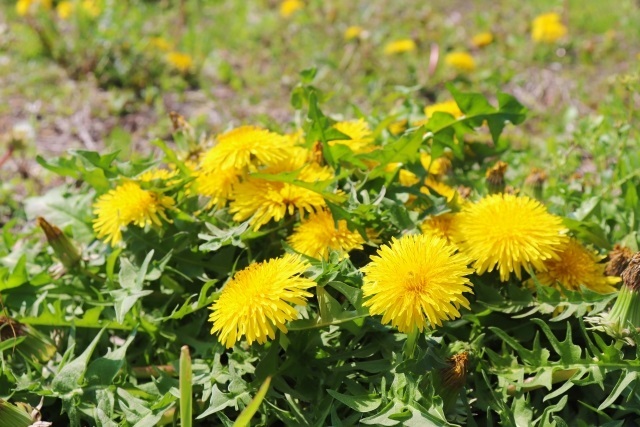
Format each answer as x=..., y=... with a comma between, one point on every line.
x=104, y=74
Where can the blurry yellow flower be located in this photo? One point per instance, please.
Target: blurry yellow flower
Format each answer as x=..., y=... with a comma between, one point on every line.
x=260, y=299
x=128, y=204
x=460, y=61
x=180, y=61
x=416, y=282
x=482, y=39
x=246, y=146
x=450, y=107
x=400, y=46
x=263, y=200
x=319, y=234
x=547, y=28
x=160, y=43
x=439, y=226
x=439, y=166
x=577, y=266
x=510, y=233
x=155, y=173
x=432, y=184
x=289, y=7
x=353, y=32
x=64, y=9
x=25, y=7
x=399, y=126
x=361, y=137
x=217, y=185
x=91, y=8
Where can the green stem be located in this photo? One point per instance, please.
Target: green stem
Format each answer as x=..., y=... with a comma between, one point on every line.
x=410, y=344
x=186, y=407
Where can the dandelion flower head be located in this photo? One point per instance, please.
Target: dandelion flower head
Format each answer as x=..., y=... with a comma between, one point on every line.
x=319, y=234
x=361, y=137
x=289, y=7
x=400, y=46
x=182, y=62
x=577, y=266
x=548, y=28
x=482, y=39
x=509, y=233
x=450, y=107
x=460, y=61
x=417, y=281
x=246, y=146
x=128, y=204
x=353, y=32
x=439, y=226
x=259, y=299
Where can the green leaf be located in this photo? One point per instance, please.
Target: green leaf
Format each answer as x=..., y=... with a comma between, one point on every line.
x=69, y=378
x=625, y=380
x=362, y=403
x=103, y=370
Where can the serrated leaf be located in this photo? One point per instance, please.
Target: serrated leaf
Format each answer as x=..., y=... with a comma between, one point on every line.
x=362, y=403
x=626, y=379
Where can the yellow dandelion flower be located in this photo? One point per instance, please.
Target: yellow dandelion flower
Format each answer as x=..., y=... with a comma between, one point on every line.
x=416, y=282
x=460, y=61
x=318, y=234
x=400, y=46
x=64, y=9
x=508, y=232
x=128, y=204
x=450, y=107
x=241, y=147
x=180, y=61
x=439, y=226
x=289, y=7
x=438, y=167
x=482, y=39
x=547, y=28
x=361, y=137
x=432, y=184
x=25, y=7
x=399, y=126
x=577, y=266
x=263, y=200
x=160, y=43
x=353, y=32
x=218, y=185
x=258, y=300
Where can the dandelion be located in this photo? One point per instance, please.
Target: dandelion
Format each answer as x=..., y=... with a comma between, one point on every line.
x=577, y=266
x=353, y=32
x=439, y=226
x=263, y=200
x=400, y=46
x=64, y=9
x=258, y=300
x=460, y=61
x=547, y=28
x=397, y=127
x=289, y=7
x=25, y=7
x=508, y=232
x=494, y=177
x=180, y=61
x=416, y=282
x=318, y=235
x=432, y=184
x=128, y=204
x=218, y=185
x=245, y=146
x=156, y=174
x=482, y=39
x=450, y=107
x=437, y=167
x=361, y=137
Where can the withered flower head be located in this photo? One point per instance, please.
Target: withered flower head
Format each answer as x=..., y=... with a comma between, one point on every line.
x=10, y=328
x=631, y=274
x=619, y=259
x=455, y=375
x=536, y=178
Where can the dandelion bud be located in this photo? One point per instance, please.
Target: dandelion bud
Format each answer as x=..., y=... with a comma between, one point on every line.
x=534, y=182
x=62, y=246
x=34, y=345
x=13, y=416
x=495, y=177
x=451, y=379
